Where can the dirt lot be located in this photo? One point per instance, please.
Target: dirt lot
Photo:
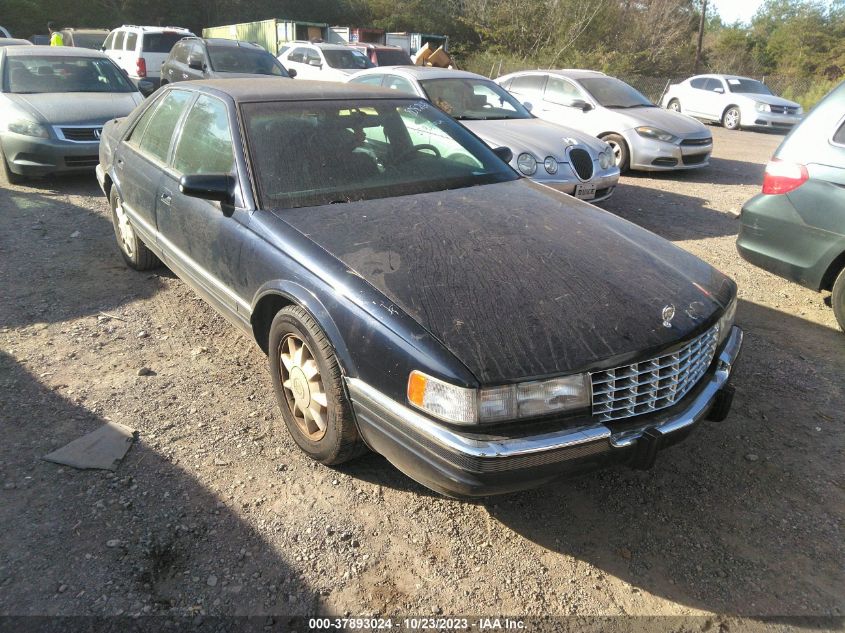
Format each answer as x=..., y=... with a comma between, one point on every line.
x=214, y=511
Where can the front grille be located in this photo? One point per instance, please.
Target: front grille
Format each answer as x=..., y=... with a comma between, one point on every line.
x=654, y=384
x=82, y=161
x=82, y=134
x=695, y=159
x=696, y=142
x=776, y=109
x=581, y=162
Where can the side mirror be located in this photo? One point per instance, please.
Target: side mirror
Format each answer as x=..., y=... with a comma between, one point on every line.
x=291, y=72
x=504, y=153
x=315, y=62
x=195, y=63
x=146, y=87
x=219, y=187
x=721, y=91
x=528, y=105
x=581, y=105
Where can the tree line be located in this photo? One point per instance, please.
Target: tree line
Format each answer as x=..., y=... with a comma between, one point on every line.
x=800, y=38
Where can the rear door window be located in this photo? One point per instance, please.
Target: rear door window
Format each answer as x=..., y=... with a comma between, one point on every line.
x=561, y=92
x=699, y=84
x=369, y=80
x=529, y=85
x=156, y=138
x=394, y=82
x=205, y=144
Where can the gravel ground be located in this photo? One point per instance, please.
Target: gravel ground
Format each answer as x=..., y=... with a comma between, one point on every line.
x=214, y=511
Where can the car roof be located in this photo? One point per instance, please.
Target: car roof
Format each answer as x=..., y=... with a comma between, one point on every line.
x=14, y=41
x=725, y=77
x=222, y=41
x=572, y=73
x=422, y=72
x=326, y=46
x=153, y=29
x=52, y=51
x=70, y=29
x=275, y=89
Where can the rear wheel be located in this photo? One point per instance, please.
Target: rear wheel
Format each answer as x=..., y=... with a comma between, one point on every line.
x=837, y=299
x=620, y=150
x=309, y=389
x=731, y=118
x=135, y=253
x=675, y=105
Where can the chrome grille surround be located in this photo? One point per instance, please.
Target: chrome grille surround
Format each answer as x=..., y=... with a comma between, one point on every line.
x=651, y=385
x=582, y=162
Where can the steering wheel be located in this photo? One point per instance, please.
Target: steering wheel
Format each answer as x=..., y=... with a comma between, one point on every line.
x=417, y=148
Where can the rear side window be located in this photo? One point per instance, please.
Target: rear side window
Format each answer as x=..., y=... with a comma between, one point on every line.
x=699, y=83
x=839, y=137
x=712, y=84
x=161, y=42
x=205, y=144
x=298, y=55
x=159, y=130
x=528, y=85
x=368, y=80
x=399, y=83
x=131, y=42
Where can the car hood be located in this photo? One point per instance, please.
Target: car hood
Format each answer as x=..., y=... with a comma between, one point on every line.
x=666, y=120
x=224, y=75
x=770, y=99
x=539, y=137
x=519, y=281
x=78, y=108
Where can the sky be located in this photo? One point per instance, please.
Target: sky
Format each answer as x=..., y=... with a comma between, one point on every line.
x=732, y=10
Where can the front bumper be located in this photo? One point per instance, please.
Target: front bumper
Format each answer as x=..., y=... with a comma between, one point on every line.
x=753, y=118
x=604, y=185
x=463, y=464
x=32, y=156
x=653, y=155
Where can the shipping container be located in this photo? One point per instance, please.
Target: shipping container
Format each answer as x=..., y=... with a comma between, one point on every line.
x=272, y=33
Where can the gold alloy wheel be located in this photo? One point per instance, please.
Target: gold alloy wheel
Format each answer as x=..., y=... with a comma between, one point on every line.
x=125, y=230
x=303, y=385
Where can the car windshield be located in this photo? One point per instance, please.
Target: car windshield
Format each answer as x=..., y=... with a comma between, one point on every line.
x=320, y=152
x=236, y=59
x=473, y=99
x=349, y=60
x=89, y=40
x=26, y=74
x=748, y=86
x=161, y=42
x=393, y=58
x=614, y=93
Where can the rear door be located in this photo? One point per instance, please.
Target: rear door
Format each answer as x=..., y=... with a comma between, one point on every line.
x=694, y=97
x=715, y=99
x=140, y=160
x=203, y=238
x=559, y=105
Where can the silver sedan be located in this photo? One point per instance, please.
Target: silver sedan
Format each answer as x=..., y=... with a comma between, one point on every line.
x=643, y=136
x=563, y=158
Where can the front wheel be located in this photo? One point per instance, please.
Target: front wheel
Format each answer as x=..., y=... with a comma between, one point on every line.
x=731, y=118
x=309, y=389
x=620, y=151
x=837, y=299
x=675, y=105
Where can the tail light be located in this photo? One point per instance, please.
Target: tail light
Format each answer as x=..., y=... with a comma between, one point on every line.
x=141, y=65
x=782, y=177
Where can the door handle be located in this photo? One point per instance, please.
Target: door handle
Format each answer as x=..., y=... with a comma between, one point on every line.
x=120, y=163
x=166, y=197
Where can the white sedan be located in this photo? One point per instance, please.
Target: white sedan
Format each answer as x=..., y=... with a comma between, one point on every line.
x=732, y=101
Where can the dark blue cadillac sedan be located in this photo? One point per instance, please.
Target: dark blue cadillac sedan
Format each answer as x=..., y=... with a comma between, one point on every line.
x=413, y=293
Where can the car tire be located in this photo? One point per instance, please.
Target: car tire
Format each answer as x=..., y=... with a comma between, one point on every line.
x=11, y=177
x=674, y=105
x=731, y=118
x=837, y=299
x=620, y=151
x=133, y=250
x=309, y=389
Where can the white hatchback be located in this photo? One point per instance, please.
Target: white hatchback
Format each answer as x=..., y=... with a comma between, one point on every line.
x=324, y=62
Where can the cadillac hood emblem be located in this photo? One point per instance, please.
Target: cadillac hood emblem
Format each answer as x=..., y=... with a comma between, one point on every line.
x=668, y=314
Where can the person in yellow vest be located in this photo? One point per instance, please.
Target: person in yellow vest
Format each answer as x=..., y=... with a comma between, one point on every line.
x=56, y=38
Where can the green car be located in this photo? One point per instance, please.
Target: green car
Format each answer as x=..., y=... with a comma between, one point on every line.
x=796, y=227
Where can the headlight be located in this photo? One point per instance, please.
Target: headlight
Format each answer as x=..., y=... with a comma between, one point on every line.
x=800, y=110
x=27, y=127
x=550, y=164
x=763, y=107
x=726, y=321
x=656, y=133
x=606, y=159
x=527, y=164
x=498, y=404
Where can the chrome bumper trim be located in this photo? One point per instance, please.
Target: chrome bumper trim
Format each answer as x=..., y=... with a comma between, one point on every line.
x=412, y=425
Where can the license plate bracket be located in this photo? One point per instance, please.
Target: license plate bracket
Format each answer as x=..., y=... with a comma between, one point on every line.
x=585, y=191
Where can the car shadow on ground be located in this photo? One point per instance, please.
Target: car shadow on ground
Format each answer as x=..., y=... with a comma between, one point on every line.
x=720, y=171
x=42, y=229
x=148, y=539
x=658, y=212
x=682, y=532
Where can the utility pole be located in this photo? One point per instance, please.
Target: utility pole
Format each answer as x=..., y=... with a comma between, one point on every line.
x=700, y=36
